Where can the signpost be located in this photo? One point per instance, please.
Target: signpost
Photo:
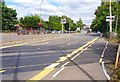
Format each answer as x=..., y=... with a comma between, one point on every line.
x=110, y=18
x=63, y=21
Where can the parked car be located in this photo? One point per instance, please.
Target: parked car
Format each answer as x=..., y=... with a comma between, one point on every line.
x=36, y=32
x=98, y=33
x=54, y=32
x=48, y=31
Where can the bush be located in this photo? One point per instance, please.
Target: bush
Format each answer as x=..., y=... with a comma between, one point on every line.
x=118, y=77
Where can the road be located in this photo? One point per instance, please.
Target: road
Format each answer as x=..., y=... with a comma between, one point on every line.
x=25, y=61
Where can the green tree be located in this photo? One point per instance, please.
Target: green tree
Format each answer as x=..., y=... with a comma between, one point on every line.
x=118, y=14
x=69, y=23
x=79, y=23
x=99, y=23
x=9, y=18
x=54, y=23
x=30, y=21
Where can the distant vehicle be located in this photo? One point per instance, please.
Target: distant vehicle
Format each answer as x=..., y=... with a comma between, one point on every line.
x=98, y=33
x=60, y=31
x=54, y=32
x=36, y=31
x=48, y=31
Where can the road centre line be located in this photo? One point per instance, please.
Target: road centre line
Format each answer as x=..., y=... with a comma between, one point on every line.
x=51, y=67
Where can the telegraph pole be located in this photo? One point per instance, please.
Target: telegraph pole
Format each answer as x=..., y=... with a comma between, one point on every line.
x=110, y=18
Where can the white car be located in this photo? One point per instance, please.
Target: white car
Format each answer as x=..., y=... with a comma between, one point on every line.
x=98, y=33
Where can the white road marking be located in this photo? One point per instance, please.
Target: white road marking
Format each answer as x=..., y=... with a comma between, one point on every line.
x=77, y=55
x=105, y=72
x=52, y=65
x=58, y=71
x=100, y=61
x=64, y=64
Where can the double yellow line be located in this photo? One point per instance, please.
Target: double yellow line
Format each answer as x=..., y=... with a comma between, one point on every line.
x=1, y=71
x=51, y=67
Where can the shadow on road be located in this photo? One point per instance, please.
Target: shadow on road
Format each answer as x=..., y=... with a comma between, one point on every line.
x=86, y=73
x=16, y=70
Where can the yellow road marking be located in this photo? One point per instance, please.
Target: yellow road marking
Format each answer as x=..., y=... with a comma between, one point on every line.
x=41, y=74
x=1, y=71
x=69, y=55
x=46, y=71
x=62, y=59
x=51, y=67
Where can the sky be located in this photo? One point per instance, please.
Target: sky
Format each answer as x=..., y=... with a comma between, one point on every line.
x=74, y=9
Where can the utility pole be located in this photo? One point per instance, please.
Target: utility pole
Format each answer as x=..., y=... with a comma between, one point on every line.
x=110, y=31
x=116, y=20
x=110, y=18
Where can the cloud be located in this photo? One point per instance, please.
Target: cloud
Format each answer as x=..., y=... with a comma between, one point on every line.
x=75, y=9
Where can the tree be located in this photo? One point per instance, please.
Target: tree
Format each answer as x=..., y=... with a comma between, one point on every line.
x=30, y=21
x=118, y=14
x=79, y=23
x=69, y=23
x=99, y=23
x=54, y=23
x=9, y=18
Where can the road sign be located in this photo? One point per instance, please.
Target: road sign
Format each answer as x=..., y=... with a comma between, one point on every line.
x=108, y=20
x=110, y=16
x=63, y=21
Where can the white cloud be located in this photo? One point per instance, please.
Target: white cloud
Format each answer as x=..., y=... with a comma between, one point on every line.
x=73, y=8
